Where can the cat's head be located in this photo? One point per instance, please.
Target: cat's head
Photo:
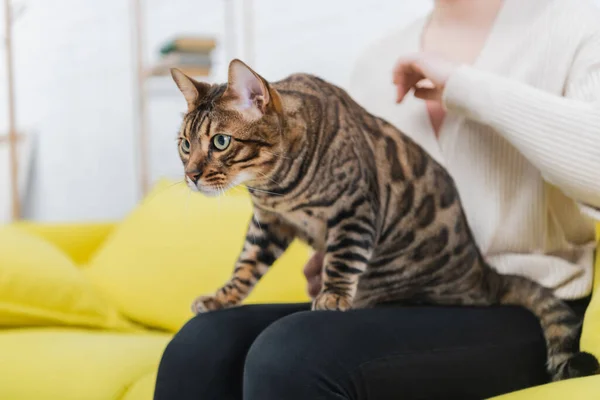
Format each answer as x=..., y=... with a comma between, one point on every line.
x=231, y=133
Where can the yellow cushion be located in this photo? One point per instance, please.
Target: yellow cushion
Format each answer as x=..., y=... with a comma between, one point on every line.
x=590, y=335
x=577, y=389
x=177, y=245
x=74, y=364
x=77, y=240
x=39, y=285
x=143, y=388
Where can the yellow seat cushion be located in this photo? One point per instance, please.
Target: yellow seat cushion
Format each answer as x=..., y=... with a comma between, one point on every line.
x=177, y=245
x=590, y=335
x=577, y=389
x=74, y=364
x=40, y=285
x=143, y=388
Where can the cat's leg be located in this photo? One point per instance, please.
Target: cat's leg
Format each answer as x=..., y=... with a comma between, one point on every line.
x=349, y=248
x=267, y=238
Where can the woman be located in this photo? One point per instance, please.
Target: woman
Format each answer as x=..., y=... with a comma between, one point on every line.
x=512, y=109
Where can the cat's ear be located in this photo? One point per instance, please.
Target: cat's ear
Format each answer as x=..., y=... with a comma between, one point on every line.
x=247, y=91
x=192, y=90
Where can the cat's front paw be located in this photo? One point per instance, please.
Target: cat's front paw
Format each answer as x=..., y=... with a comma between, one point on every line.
x=205, y=304
x=331, y=301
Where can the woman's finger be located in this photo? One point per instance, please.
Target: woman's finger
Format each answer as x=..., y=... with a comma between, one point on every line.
x=406, y=76
x=428, y=93
x=313, y=286
x=314, y=265
x=312, y=272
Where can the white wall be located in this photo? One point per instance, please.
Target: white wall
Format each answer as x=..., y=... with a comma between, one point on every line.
x=75, y=84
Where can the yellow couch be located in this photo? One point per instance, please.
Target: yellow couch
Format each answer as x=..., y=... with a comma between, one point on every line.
x=86, y=310
x=96, y=326
x=71, y=362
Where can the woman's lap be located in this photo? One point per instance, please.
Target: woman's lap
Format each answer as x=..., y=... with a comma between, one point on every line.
x=286, y=352
x=205, y=359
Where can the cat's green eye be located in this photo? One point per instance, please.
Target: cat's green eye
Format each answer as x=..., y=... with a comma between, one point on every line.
x=185, y=146
x=221, y=142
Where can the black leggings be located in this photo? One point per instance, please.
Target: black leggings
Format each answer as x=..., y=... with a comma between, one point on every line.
x=285, y=352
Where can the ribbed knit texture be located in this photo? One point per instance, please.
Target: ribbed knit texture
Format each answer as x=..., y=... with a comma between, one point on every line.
x=521, y=137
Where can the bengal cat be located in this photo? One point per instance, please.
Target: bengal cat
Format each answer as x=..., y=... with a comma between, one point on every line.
x=387, y=216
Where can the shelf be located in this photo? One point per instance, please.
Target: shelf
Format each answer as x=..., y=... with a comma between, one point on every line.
x=4, y=138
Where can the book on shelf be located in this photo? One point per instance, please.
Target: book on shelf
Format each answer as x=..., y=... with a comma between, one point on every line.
x=179, y=58
x=190, y=70
x=189, y=63
x=189, y=44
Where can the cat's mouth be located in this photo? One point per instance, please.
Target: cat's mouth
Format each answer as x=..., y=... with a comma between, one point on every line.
x=207, y=190
x=210, y=191
x=213, y=190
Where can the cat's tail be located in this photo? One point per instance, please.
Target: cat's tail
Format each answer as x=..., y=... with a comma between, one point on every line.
x=560, y=324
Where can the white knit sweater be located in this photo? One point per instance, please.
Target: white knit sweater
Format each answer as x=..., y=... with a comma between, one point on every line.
x=521, y=137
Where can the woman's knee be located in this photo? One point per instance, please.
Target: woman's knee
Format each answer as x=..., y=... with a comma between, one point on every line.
x=205, y=359
x=291, y=359
x=206, y=339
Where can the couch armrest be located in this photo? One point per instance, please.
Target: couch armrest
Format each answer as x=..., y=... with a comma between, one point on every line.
x=78, y=240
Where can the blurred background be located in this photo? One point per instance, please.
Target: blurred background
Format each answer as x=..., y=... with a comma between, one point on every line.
x=94, y=288
x=96, y=123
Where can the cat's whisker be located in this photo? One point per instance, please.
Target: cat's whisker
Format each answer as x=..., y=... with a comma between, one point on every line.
x=264, y=191
x=239, y=189
x=170, y=186
x=258, y=223
x=277, y=154
x=187, y=205
x=272, y=180
x=173, y=184
x=220, y=195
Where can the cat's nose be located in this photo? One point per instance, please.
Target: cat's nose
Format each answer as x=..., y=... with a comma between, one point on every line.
x=194, y=175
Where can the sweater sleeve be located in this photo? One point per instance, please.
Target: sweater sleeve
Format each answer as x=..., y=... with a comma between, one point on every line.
x=559, y=135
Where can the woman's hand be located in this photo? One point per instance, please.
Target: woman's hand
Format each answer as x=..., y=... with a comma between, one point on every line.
x=427, y=74
x=312, y=272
